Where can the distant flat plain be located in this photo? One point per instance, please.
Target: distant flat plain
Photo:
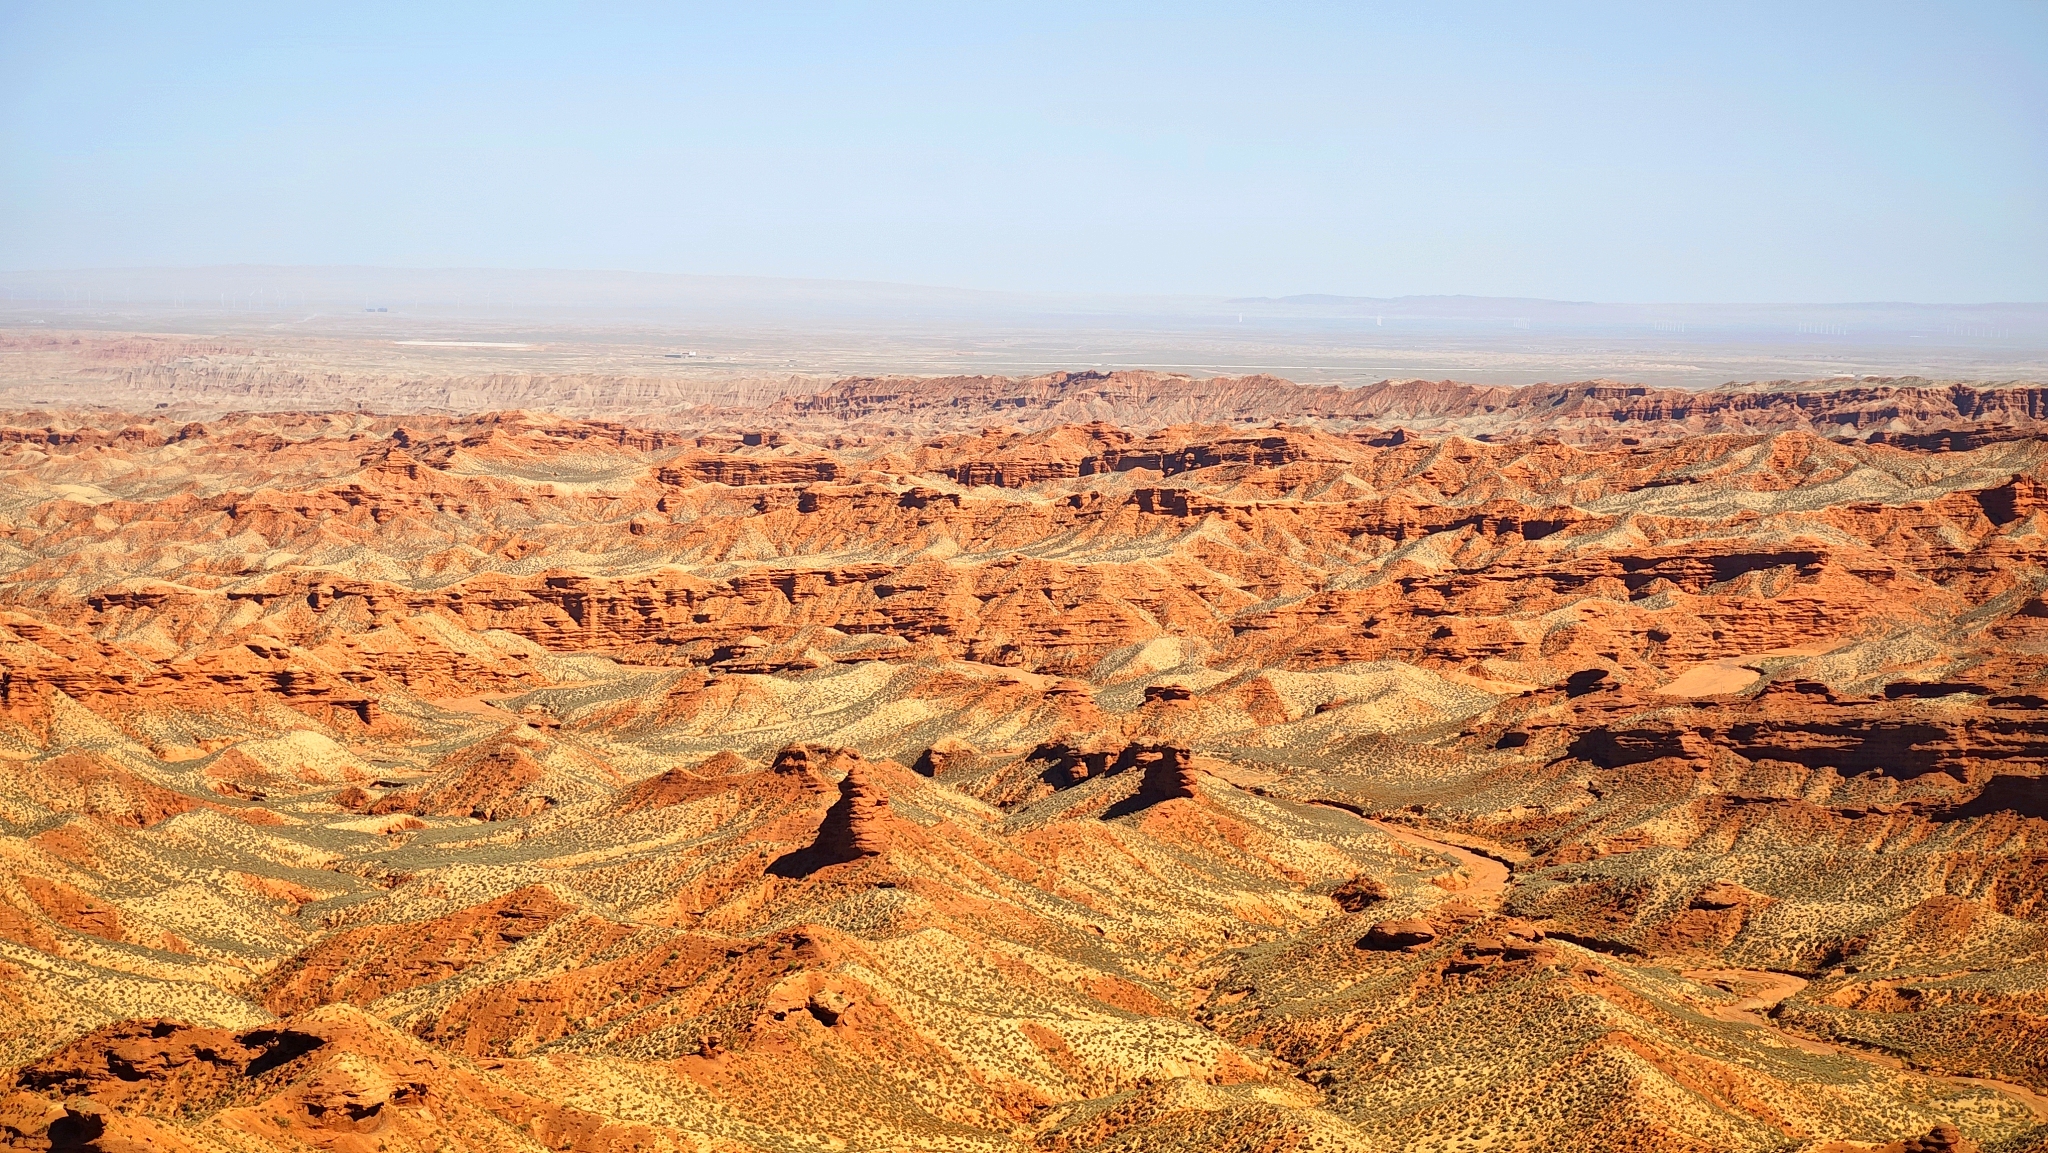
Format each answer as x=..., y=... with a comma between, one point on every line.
x=615, y=342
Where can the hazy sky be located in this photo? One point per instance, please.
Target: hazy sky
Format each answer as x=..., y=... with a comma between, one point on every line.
x=1633, y=152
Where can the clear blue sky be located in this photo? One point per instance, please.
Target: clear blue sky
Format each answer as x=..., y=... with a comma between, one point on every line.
x=1632, y=152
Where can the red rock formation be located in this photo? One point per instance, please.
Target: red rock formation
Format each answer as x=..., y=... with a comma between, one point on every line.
x=1144, y=398
x=150, y=1064
x=333, y=1083
x=1358, y=894
x=1940, y=1139
x=1067, y=764
x=857, y=825
x=1168, y=772
x=360, y=965
x=1806, y=724
x=948, y=755
x=488, y=783
x=675, y=787
x=723, y=763
x=811, y=762
x=1407, y=933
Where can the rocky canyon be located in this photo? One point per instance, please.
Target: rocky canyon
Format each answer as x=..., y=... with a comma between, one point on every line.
x=1116, y=761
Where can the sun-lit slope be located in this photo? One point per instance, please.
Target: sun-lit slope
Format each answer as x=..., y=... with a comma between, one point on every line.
x=1905, y=410
x=522, y=779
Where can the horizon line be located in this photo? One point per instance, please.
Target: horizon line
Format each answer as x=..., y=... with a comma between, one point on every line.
x=1214, y=298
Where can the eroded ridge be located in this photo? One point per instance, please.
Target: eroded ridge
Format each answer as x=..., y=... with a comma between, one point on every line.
x=507, y=781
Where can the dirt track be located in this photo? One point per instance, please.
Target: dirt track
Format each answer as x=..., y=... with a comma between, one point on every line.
x=1489, y=877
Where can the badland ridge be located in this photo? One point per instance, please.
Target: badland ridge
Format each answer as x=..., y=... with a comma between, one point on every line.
x=1093, y=761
